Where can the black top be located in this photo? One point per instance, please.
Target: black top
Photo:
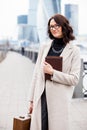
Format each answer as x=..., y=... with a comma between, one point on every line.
x=56, y=47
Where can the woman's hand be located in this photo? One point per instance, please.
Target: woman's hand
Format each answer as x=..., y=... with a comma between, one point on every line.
x=47, y=68
x=30, y=107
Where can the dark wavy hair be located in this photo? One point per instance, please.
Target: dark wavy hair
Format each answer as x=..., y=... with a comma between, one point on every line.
x=66, y=28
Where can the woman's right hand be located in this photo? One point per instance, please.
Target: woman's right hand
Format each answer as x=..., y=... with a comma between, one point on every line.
x=30, y=107
x=48, y=68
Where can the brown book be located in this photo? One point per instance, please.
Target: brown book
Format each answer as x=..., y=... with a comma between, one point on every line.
x=56, y=62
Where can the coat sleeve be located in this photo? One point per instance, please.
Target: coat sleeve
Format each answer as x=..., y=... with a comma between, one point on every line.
x=35, y=74
x=71, y=78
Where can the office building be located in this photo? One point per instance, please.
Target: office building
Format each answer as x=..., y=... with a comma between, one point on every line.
x=71, y=12
x=39, y=11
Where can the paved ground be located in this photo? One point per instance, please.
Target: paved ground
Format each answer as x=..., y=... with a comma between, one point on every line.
x=15, y=77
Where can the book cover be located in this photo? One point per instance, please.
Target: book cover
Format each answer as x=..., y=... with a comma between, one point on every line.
x=56, y=62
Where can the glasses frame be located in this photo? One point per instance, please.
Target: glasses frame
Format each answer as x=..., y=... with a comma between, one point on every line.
x=54, y=27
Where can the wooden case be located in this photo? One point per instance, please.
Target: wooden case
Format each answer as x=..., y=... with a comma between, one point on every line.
x=21, y=123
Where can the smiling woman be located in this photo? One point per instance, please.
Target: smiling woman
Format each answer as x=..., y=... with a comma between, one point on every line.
x=9, y=10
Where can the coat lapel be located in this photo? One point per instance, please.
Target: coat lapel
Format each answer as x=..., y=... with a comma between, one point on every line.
x=46, y=49
x=66, y=52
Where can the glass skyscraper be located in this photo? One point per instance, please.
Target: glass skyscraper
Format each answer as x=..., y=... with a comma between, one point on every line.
x=39, y=12
x=71, y=12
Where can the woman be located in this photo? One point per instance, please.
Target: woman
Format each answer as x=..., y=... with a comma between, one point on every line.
x=49, y=100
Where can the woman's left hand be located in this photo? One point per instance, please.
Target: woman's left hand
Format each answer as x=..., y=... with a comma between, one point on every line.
x=47, y=68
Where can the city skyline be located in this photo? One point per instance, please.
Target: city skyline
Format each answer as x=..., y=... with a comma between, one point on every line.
x=82, y=9
x=9, y=10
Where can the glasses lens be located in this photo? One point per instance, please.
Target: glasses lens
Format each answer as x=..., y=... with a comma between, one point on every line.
x=54, y=27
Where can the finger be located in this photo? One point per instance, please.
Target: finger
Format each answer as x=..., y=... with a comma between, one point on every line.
x=45, y=63
x=30, y=110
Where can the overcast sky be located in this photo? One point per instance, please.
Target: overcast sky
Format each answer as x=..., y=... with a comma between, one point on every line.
x=9, y=10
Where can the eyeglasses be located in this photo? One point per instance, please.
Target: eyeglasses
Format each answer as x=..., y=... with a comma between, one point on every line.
x=56, y=26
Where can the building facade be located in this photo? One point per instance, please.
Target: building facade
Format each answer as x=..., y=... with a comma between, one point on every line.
x=71, y=12
x=39, y=11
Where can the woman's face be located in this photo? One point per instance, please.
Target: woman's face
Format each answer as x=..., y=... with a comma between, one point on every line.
x=55, y=29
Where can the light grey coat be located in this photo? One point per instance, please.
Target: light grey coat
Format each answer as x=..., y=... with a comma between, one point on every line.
x=58, y=91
